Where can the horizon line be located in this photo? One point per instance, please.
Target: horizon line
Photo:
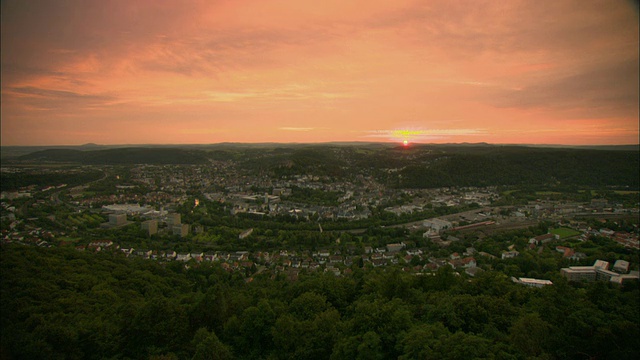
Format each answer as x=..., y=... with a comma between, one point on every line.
x=320, y=143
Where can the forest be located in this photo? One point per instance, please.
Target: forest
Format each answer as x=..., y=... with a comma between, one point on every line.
x=59, y=303
x=419, y=166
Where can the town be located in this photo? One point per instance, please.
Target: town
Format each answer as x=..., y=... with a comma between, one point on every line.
x=324, y=251
x=253, y=222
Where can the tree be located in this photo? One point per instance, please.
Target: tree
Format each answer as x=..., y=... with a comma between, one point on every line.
x=370, y=347
x=420, y=341
x=209, y=347
x=530, y=335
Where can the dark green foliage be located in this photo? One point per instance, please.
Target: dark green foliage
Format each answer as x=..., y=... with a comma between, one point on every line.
x=121, y=156
x=14, y=181
x=63, y=304
x=520, y=165
x=422, y=166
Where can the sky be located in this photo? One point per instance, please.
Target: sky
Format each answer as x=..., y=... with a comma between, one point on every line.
x=200, y=72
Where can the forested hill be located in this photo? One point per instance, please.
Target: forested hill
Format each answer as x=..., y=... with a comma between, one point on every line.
x=418, y=166
x=121, y=156
x=520, y=165
x=64, y=304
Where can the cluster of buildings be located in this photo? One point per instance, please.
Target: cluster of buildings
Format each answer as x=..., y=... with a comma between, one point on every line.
x=258, y=193
x=599, y=271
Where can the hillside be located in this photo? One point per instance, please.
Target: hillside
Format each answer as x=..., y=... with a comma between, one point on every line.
x=122, y=156
x=419, y=166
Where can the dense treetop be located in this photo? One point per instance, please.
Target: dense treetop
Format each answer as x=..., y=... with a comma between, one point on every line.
x=61, y=303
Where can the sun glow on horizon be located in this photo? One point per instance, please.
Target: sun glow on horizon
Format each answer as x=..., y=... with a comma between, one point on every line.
x=180, y=74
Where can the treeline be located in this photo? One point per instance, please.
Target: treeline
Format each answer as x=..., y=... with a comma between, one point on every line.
x=120, y=156
x=283, y=161
x=61, y=303
x=17, y=180
x=518, y=165
x=420, y=166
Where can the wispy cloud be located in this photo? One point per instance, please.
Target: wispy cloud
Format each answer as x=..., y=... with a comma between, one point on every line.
x=417, y=134
x=296, y=128
x=499, y=68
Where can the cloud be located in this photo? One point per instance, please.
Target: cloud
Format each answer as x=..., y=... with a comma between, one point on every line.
x=50, y=99
x=605, y=89
x=297, y=128
x=495, y=67
x=418, y=134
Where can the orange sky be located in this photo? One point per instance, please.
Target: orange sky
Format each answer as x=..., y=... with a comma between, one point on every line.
x=143, y=72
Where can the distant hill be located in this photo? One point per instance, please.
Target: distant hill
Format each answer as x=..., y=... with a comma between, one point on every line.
x=158, y=156
x=510, y=165
x=416, y=166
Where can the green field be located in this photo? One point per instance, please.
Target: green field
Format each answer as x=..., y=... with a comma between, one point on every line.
x=618, y=192
x=548, y=193
x=565, y=232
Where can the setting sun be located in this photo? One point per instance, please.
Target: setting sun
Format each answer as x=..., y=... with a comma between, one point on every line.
x=391, y=71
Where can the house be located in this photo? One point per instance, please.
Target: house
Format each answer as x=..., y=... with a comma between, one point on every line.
x=416, y=252
x=532, y=282
x=542, y=239
x=388, y=256
x=430, y=267
x=324, y=253
x=378, y=262
x=101, y=243
x=144, y=253
x=473, y=271
x=183, y=257
x=332, y=269
x=437, y=224
x=486, y=254
x=510, y=254
x=469, y=262
x=470, y=251
x=578, y=256
x=566, y=251
x=395, y=247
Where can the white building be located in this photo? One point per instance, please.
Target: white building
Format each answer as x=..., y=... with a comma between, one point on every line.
x=437, y=224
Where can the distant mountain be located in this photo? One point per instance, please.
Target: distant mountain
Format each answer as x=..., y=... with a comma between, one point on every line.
x=416, y=166
x=158, y=156
x=511, y=165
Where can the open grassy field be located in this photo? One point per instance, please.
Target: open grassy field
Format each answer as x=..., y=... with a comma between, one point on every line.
x=548, y=193
x=565, y=232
